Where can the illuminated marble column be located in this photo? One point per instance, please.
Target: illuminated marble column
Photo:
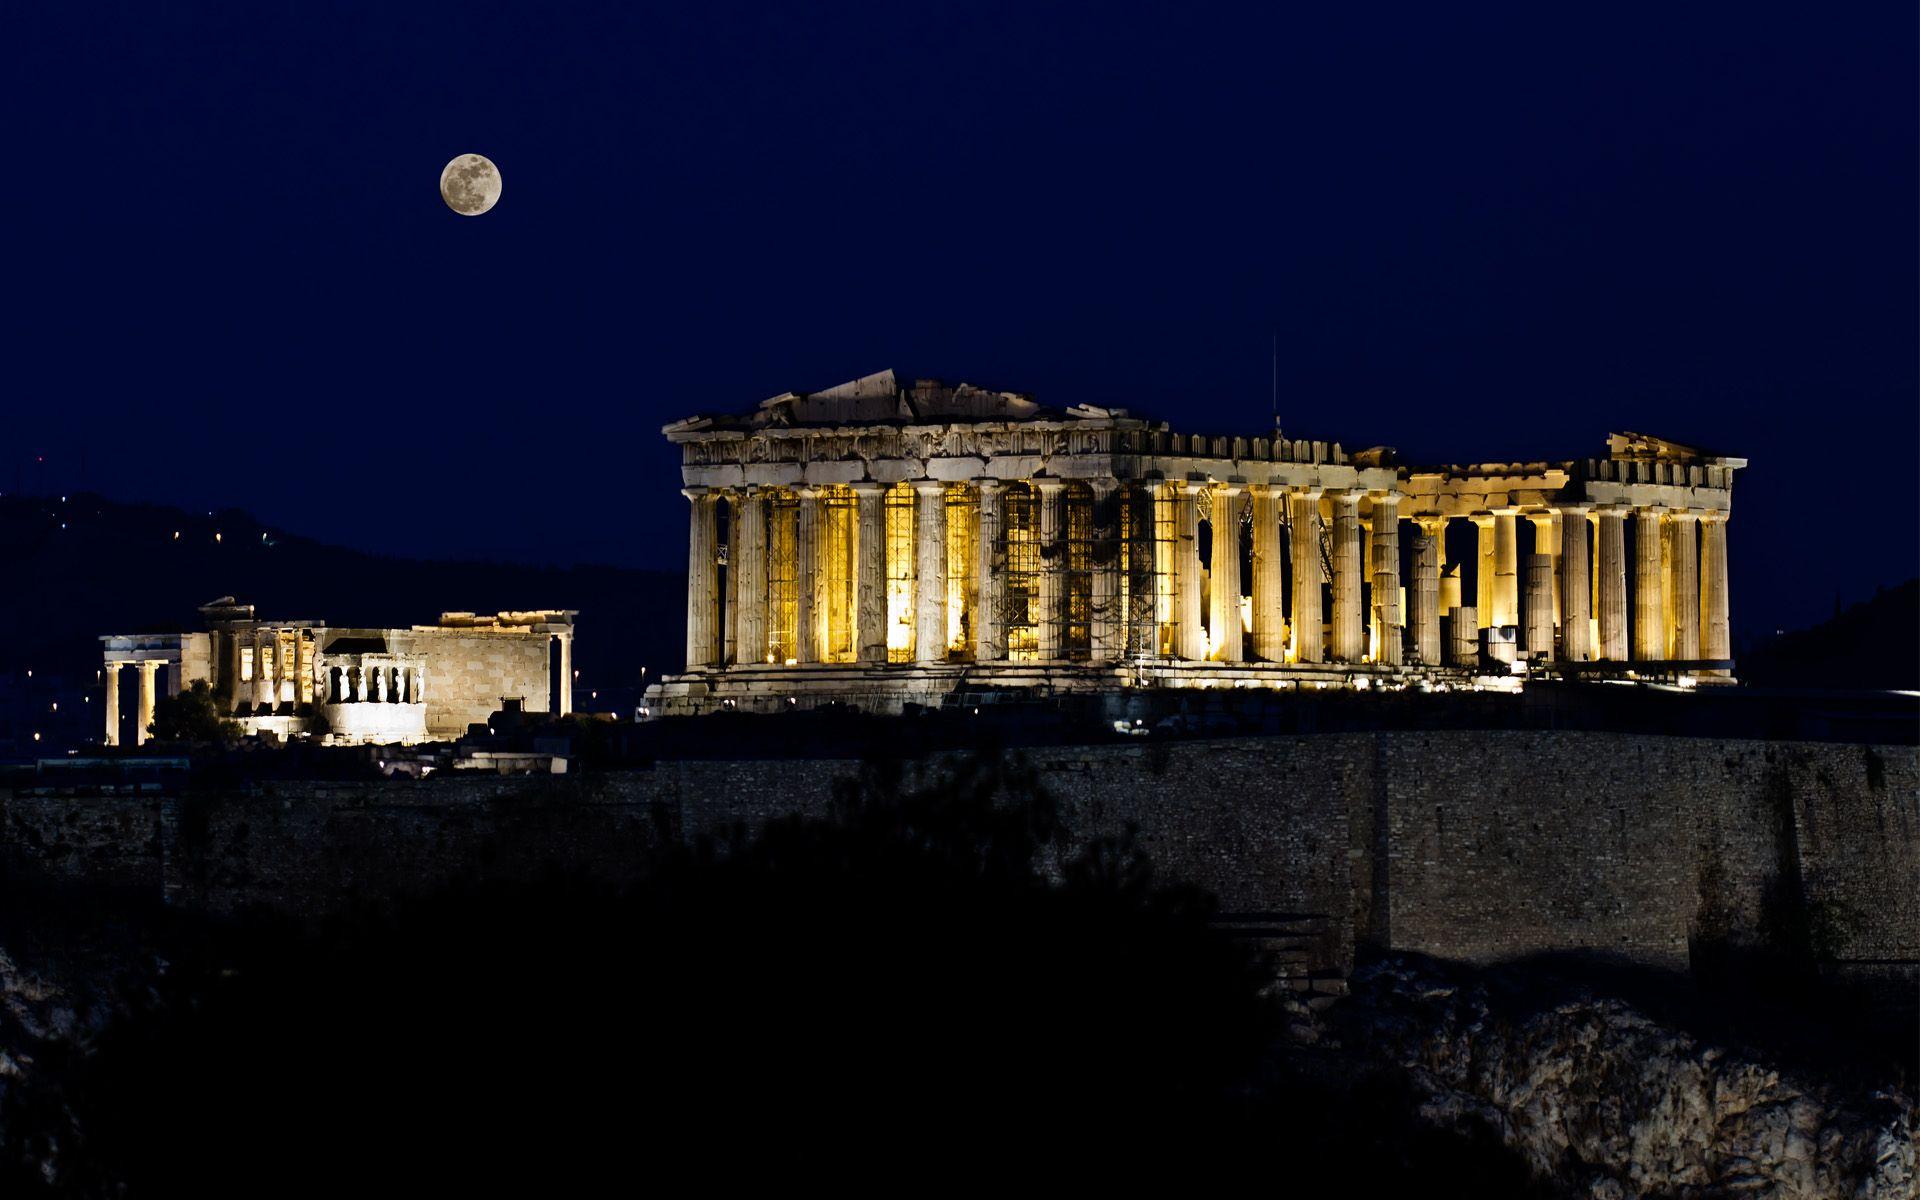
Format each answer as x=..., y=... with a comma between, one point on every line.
x=1536, y=615
x=302, y=667
x=1309, y=621
x=1649, y=612
x=1463, y=637
x=143, y=715
x=113, y=703
x=1506, y=567
x=1716, y=640
x=1684, y=585
x=870, y=571
x=989, y=640
x=1349, y=634
x=1483, y=568
x=1546, y=540
x=1423, y=598
x=810, y=588
x=1576, y=627
x=703, y=579
x=1666, y=585
x=1269, y=603
x=930, y=571
x=1053, y=552
x=751, y=628
x=1390, y=621
x=730, y=602
x=1611, y=526
x=263, y=665
x=566, y=674
x=1189, y=631
x=1223, y=576
x=1107, y=636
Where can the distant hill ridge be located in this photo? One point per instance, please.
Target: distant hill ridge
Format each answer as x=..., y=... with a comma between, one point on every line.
x=82, y=565
x=1873, y=644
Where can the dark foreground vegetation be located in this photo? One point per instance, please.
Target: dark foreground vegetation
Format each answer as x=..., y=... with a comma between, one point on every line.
x=923, y=987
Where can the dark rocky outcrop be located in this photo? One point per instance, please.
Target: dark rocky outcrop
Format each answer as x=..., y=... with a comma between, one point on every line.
x=1611, y=1102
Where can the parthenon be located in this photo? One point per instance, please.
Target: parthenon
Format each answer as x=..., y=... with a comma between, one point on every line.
x=879, y=545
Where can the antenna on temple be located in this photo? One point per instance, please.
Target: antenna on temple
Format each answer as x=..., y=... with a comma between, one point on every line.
x=1276, y=382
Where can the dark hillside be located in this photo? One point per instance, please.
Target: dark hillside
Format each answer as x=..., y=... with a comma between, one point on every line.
x=82, y=566
x=1874, y=644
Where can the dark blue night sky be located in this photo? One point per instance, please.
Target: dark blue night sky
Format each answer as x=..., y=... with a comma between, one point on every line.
x=1480, y=234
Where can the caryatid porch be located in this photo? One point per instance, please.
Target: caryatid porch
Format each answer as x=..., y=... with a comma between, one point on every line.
x=924, y=534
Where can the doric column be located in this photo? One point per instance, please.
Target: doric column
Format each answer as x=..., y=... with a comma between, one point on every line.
x=989, y=640
x=870, y=584
x=810, y=585
x=143, y=715
x=1223, y=602
x=750, y=636
x=1483, y=568
x=1269, y=601
x=1309, y=623
x=113, y=703
x=1108, y=636
x=930, y=571
x=1463, y=636
x=566, y=673
x=1348, y=632
x=1423, y=598
x=703, y=579
x=1716, y=640
x=1649, y=609
x=1684, y=586
x=1546, y=540
x=1053, y=552
x=1536, y=625
x=1506, y=567
x=1391, y=622
x=1611, y=525
x=1576, y=628
x=1189, y=633
x=730, y=602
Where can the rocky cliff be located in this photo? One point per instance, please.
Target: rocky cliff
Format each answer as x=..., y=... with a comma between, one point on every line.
x=1611, y=1103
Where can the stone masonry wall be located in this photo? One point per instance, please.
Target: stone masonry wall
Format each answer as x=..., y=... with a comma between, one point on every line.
x=468, y=673
x=1462, y=844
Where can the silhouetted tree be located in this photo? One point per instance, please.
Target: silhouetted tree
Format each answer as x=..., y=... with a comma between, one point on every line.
x=192, y=716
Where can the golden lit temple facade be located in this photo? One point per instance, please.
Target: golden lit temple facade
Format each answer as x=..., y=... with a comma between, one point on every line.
x=876, y=546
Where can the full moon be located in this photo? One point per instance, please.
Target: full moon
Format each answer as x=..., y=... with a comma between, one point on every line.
x=470, y=184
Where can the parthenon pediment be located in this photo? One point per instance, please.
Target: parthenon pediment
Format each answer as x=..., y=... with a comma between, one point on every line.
x=879, y=399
